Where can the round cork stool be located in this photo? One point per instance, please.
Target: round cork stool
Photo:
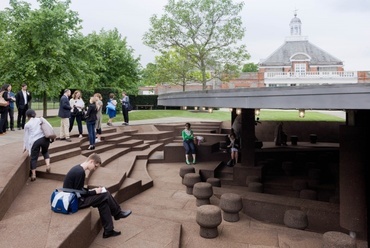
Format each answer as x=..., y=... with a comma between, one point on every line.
x=215, y=182
x=296, y=219
x=255, y=187
x=338, y=240
x=251, y=179
x=189, y=180
x=202, y=191
x=208, y=218
x=185, y=170
x=231, y=204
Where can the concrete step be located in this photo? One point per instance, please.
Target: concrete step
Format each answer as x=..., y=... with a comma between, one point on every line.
x=140, y=172
x=60, y=155
x=140, y=147
x=145, y=154
x=156, y=157
x=130, y=143
x=157, y=135
x=60, y=168
x=119, y=139
x=100, y=148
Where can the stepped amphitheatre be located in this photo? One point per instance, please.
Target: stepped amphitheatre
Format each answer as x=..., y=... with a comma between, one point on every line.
x=141, y=169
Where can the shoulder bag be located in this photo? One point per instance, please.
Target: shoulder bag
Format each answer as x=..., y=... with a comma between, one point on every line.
x=47, y=129
x=3, y=102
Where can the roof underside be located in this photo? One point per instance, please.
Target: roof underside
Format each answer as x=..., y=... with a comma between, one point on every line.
x=332, y=97
x=281, y=57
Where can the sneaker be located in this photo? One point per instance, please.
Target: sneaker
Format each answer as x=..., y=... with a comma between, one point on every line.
x=187, y=162
x=97, y=140
x=68, y=140
x=80, y=136
x=194, y=162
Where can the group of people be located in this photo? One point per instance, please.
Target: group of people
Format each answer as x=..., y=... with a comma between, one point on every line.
x=21, y=100
x=111, y=108
x=35, y=141
x=74, y=109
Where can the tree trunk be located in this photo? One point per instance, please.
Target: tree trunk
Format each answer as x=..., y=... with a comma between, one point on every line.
x=44, y=104
x=204, y=77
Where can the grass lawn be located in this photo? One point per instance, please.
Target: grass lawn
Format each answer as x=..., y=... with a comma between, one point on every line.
x=265, y=115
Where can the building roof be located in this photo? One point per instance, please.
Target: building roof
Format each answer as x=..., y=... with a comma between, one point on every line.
x=334, y=97
x=298, y=48
x=283, y=55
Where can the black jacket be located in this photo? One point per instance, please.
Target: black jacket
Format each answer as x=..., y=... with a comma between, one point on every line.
x=91, y=113
x=20, y=101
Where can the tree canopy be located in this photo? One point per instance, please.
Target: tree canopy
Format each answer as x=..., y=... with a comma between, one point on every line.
x=45, y=48
x=250, y=67
x=207, y=30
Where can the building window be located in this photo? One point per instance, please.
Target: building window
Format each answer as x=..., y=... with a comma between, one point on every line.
x=300, y=69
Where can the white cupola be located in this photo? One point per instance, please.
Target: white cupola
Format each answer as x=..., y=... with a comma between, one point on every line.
x=295, y=25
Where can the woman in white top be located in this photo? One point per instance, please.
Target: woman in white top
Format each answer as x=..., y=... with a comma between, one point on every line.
x=77, y=106
x=34, y=140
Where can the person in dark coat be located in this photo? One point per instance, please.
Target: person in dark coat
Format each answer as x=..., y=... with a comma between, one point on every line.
x=64, y=113
x=22, y=100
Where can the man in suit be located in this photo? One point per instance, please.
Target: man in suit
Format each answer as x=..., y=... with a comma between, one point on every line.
x=64, y=113
x=22, y=100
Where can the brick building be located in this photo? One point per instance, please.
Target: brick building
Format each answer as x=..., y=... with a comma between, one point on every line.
x=295, y=63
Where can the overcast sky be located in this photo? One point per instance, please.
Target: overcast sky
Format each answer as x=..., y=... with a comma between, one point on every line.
x=340, y=27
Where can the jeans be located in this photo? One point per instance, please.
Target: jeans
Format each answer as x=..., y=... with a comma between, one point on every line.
x=91, y=131
x=189, y=146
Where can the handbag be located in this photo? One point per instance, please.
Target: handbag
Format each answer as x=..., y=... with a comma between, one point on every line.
x=3, y=102
x=129, y=107
x=47, y=129
x=65, y=200
x=111, y=106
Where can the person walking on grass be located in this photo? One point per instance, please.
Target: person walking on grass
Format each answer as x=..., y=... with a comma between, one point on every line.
x=188, y=142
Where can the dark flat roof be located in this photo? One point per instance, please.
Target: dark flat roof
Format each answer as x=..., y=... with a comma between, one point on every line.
x=329, y=97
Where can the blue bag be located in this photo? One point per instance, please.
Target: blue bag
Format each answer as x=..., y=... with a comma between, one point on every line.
x=64, y=202
x=111, y=106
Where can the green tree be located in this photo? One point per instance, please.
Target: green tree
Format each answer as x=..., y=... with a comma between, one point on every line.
x=37, y=46
x=175, y=67
x=207, y=30
x=117, y=65
x=250, y=67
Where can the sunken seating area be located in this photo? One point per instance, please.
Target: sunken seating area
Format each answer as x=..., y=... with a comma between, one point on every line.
x=126, y=153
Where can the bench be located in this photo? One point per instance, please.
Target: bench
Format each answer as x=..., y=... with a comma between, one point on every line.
x=144, y=106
